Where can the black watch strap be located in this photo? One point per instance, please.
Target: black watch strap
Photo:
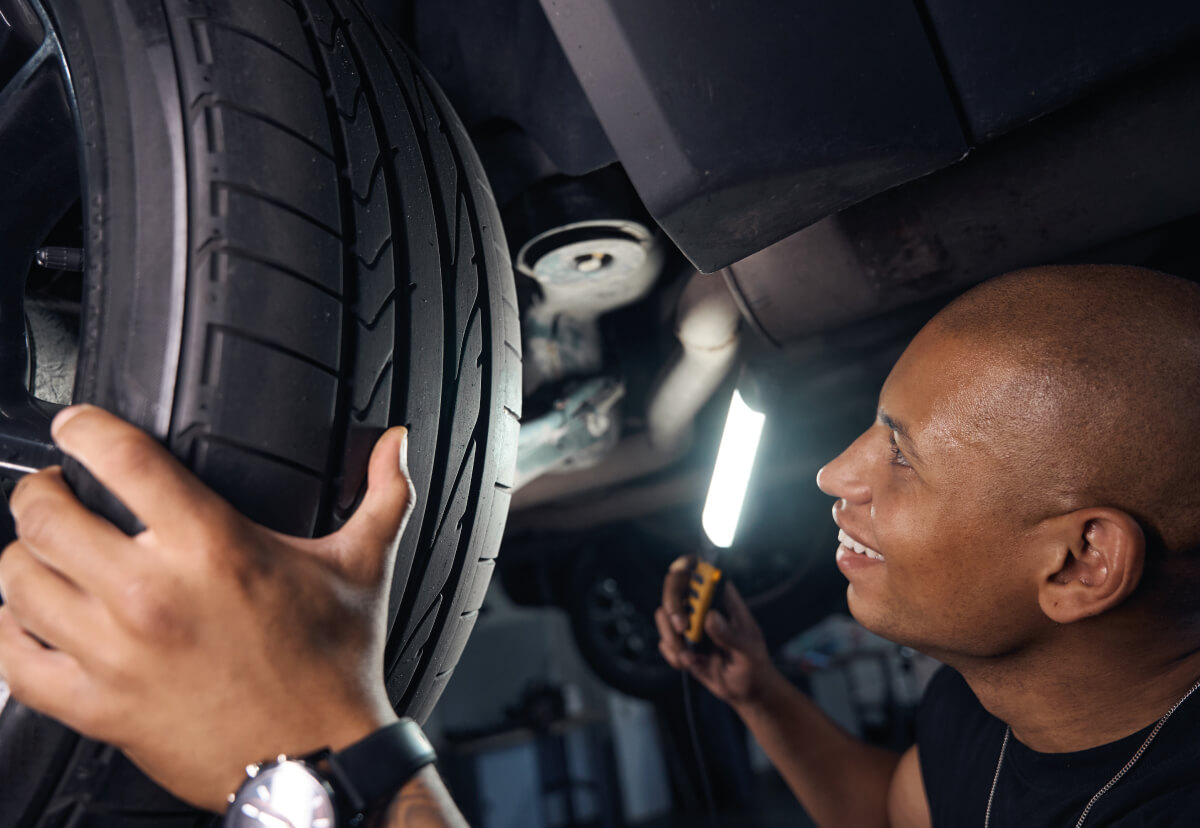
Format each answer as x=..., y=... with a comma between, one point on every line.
x=379, y=765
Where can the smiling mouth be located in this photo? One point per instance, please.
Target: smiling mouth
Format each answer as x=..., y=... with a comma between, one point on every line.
x=856, y=547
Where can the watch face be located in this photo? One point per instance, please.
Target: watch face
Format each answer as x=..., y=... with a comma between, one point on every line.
x=284, y=795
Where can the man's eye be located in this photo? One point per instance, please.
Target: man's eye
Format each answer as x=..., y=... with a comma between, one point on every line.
x=898, y=458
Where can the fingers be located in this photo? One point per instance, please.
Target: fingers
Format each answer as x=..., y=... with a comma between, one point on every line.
x=46, y=680
x=733, y=628
x=370, y=536
x=43, y=602
x=735, y=607
x=675, y=588
x=670, y=643
x=675, y=652
x=64, y=535
x=139, y=471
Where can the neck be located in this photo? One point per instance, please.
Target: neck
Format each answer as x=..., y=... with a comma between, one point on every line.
x=1075, y=695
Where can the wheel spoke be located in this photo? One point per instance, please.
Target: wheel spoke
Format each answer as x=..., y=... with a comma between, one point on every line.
x=21, y=33
x=39, y=182
x=25, y=442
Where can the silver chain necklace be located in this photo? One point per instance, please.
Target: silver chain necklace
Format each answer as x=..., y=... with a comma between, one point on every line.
x=987, y=817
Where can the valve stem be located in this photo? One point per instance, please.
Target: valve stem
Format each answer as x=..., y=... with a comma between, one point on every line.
x=60, y=258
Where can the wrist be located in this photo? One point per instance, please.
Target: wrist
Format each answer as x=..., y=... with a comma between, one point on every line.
x=337, y=730
x=354, y=727
x=345, y=786
x=765, y=688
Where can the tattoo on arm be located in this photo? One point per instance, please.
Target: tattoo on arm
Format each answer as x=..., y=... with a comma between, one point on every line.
x=424, y=802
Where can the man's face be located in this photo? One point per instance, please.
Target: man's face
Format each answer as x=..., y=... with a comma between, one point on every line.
x=937, y=488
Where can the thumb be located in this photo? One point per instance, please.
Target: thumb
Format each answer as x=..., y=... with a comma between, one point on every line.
x=369, y=537
x=739, y=614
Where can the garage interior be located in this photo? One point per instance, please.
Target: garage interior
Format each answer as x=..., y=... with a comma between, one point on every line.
x=1002, y=172
x=703, y=203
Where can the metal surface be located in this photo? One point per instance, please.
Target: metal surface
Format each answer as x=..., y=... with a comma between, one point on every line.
x=583, y=269
x=620, y=627
x=1012, y=61
x=1082, y=177
x=706, y=324
x=500, y=64
x=576, y=433
x=589, y=268
x=707, y=327
x=740, y=123
x=53, y=349
x=60, y=258
x=557, y=346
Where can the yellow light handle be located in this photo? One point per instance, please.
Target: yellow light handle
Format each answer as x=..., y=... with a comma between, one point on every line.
x=703, y=588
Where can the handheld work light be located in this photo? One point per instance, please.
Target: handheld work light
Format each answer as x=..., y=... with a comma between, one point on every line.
x=723, y=506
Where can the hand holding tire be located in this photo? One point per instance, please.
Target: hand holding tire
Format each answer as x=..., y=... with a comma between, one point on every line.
x=740, y=666
x=205, y=642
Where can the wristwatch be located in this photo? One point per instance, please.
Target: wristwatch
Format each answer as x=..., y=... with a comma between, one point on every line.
x=330, y=790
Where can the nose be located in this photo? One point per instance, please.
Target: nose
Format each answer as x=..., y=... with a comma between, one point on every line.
x=845, y=476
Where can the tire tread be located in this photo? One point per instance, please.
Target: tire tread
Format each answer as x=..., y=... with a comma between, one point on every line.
x=394, y=245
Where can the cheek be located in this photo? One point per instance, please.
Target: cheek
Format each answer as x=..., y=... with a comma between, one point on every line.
x=929, y=548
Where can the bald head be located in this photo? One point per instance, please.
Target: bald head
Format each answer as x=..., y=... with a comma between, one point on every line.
x=1101, y=395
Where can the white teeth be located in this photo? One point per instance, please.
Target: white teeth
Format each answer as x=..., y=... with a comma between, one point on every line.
x=850, y=543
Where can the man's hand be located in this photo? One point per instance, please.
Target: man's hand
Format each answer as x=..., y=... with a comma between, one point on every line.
x=206, y=642
x=740, y=668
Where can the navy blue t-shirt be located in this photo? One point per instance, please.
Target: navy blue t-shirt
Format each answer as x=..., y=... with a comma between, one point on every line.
x=959, y=742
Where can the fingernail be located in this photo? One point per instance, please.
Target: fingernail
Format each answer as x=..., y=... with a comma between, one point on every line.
x=60, y=419
x=678, y=623
x=719, y=622
x=404, y=452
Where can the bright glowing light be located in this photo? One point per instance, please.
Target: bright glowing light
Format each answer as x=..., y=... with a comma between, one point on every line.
x=735, y=460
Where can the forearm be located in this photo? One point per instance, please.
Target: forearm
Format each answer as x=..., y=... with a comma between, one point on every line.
x=423, y=802
x=839, y=780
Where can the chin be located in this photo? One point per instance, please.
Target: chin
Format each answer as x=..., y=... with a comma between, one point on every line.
x=870, y=617
x=878, y=620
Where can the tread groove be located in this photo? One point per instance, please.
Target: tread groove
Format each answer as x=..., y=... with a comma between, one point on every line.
x=252, y=256
x=468, y=459
x=462, y=346
x=211, y=100
x=253, y=192
x=241, y=333
x=375, y=169
x=359, y=413
x=370, y=325
x=205, y=435
x=217, y=23
x=328, y=74
x=352, y=115
x=373, y=262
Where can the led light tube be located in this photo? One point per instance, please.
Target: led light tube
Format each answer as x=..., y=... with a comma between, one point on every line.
x=731, y=474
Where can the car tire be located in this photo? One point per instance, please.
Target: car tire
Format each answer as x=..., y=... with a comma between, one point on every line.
x=290, y=246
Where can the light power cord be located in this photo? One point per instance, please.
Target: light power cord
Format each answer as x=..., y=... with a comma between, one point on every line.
x=690, y=714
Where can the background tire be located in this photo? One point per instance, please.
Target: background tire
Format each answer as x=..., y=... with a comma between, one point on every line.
x=290, y=246
x=613, y=585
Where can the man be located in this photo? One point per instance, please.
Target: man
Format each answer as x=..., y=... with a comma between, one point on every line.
x=1033, y=519
x=1025, y=508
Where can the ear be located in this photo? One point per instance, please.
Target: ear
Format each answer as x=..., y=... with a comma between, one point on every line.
x=1096, y=561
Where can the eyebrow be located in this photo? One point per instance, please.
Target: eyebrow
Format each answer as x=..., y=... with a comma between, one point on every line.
x=898, y=427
